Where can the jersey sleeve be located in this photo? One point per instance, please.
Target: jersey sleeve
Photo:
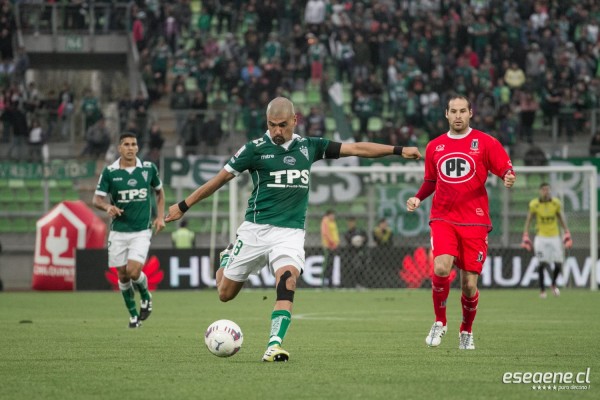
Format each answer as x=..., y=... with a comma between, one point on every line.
x=155, y=182
x=241, y=161
x=103, y=185
x=430, y=169
x=320, y=146
x=498, y=160
x=532, y=206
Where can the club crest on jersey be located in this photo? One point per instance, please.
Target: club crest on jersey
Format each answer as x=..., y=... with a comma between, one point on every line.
x=145, y=175
x=480, y=256
x=289, y=160
x=475, y=144
x=456, y=167
x=304, y=151
x=131, y=182
x=440, y=147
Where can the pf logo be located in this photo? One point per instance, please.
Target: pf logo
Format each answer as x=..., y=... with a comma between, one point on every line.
x=456, y=167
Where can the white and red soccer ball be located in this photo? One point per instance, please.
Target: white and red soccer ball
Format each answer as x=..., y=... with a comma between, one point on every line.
x=223, y=338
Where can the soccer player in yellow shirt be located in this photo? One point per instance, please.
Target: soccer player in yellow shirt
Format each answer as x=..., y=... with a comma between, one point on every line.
x=547, y=244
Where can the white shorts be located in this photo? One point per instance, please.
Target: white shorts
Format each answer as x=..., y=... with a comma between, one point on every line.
x=258, y=245
x=548, y=249
x=123, y=246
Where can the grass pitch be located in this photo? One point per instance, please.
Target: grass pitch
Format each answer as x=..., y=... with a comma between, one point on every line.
x=343, y=345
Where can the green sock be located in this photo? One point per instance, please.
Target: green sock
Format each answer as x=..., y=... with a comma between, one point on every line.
x=142, y=286
x=280, y=321
x=129, y=297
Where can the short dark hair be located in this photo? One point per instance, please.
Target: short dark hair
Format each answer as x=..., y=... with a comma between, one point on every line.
x=127, y=135
x=329, y=212
x=183, y=223
x=544, y=184
x=458, y=96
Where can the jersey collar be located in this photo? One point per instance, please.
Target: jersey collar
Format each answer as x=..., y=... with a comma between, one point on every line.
x=117, y=164
x=287, y=144
x=464, y=135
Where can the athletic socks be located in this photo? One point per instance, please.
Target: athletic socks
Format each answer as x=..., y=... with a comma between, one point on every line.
x=129, y=297
x=469, y=309
x=541, y=269
x=440, y=288
x=141, y=284
x=280, y=321
x=557, y=268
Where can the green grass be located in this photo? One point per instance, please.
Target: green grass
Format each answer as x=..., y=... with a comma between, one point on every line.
x=343, y=345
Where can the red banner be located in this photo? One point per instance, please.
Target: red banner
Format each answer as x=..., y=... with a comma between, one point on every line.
x=68, y=226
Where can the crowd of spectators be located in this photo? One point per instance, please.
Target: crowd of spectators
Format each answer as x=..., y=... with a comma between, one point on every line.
x=524, y=65
x=515, y=60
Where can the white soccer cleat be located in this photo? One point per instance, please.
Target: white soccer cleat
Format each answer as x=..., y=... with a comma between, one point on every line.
x=543, y=295
x=466, y=341
x=556, y=291
x=435, y=334
x=275, y=354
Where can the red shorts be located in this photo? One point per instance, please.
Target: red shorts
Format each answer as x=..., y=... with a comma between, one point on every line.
x=468, y=244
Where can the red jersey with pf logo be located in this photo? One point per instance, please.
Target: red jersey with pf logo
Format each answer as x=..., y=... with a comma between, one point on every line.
x=459, y=166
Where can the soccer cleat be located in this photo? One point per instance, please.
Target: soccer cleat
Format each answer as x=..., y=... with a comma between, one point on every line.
x=556, y=291
x=465, y=341
x=134, y=322
x=145, y=308
x=542, y=295
x=224, y=256
x=275, y=354
x=435, y=334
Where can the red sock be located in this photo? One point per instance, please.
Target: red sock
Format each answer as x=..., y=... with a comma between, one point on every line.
x=440, y=288
x=469, y=309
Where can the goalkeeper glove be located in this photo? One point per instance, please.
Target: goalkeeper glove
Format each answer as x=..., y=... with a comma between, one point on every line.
x=567, y=240
x=526, y=242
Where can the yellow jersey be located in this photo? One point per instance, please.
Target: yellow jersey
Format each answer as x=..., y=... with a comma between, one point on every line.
x=546, y=216
x=332, y=228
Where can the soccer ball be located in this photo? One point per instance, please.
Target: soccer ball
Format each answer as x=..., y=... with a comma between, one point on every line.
x=357, y=240
x=223, y=338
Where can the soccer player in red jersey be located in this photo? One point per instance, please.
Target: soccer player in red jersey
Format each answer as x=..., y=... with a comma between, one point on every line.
x=456, y=168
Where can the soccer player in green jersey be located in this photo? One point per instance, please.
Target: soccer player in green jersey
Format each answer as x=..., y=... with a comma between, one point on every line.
x=128, y=182
x=273, y=231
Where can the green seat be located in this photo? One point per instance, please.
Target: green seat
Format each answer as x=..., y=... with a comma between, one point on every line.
x=71, y=194
x=56, y=195
x=23, y=225
x=36, y=195
x=375, y=124
x=16, y=183
x=65, y=183
x=5, y=225
x=298, y=97
x=330, y=125
x=33, y=183
x=313, y=97
x=22, y=195
x=7, y=195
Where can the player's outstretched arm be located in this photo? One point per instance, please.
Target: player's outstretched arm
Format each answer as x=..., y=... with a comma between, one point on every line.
x=177, y=210
x=375, y=150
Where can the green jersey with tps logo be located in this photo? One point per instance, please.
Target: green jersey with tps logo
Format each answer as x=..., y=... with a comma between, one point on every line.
x=281, y=178
x=130, y=191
